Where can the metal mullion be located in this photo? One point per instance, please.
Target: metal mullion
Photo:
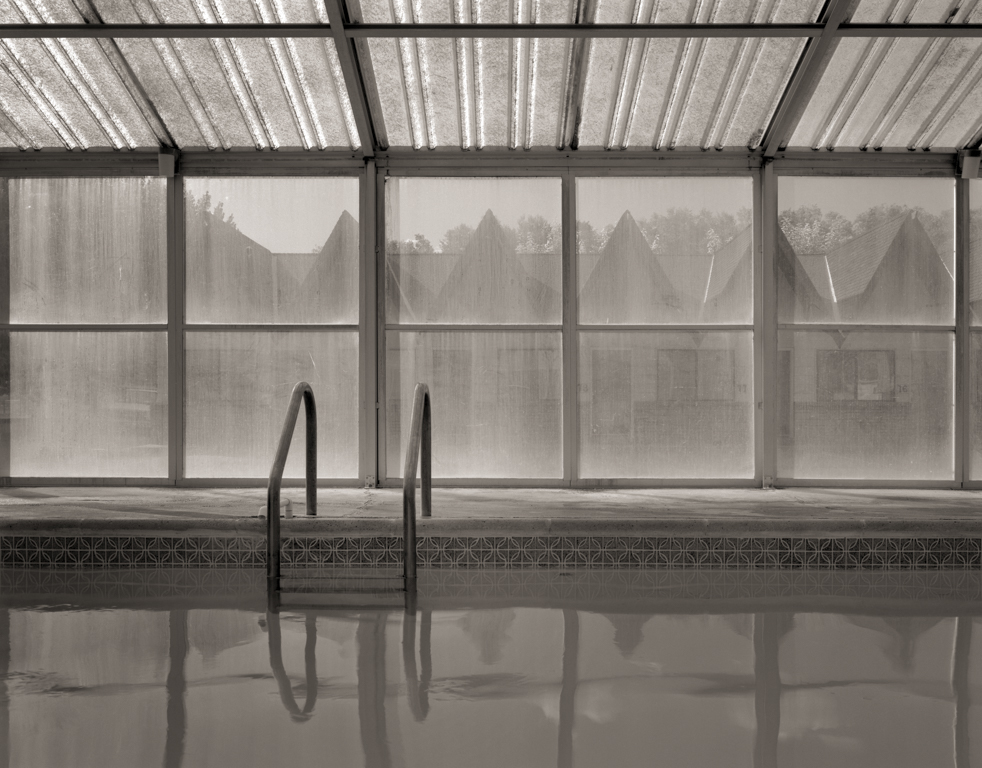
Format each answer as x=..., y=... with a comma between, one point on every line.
x=759, y=299
x=175, y=326
x=368, y=333
x=570, y=339
x=766, y=320
x=667, y=328
x=805, y=482
x=5, y=371
x=262, y=482
x=380, y=341
x=473, y=327
x=270, y=327
x=86, y=327
x=963, y=339
x=856, y=163
x=866, y=328
x=464, y=167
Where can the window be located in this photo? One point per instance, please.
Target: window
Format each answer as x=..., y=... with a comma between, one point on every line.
x=855, y=375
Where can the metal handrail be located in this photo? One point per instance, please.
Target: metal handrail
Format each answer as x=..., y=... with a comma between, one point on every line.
x=419, y=435
x=301, y=390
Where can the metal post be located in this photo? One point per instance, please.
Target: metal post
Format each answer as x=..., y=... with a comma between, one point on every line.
x=419, y=435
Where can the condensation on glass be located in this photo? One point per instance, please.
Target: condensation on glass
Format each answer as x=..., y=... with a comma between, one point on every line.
x=666, y=405
x=497, y=401
x=88, y=250
x=87, y=404
x=865, y=405
x=975, y=317
x=866, y=251
x=237, y=389
x=468, y=251
x=272, y=250
x=664, y=251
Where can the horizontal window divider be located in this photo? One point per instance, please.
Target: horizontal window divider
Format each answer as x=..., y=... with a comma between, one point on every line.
x=845, y=163
x=493, y=161
x=94, y=327
x=673, y=482
x=951, y=485
x=278, y=327
x=87, y=482
x=262, y=482
x=867, y=328
x=478, y=482
x=660, y=327
x=448, y=327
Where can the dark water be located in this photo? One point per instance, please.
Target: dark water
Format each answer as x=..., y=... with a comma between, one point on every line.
x=813, y=682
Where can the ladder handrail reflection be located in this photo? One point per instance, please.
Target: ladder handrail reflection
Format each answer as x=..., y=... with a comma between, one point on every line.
x=279, y=671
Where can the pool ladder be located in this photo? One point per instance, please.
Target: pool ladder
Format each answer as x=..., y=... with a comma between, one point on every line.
x=419, y=452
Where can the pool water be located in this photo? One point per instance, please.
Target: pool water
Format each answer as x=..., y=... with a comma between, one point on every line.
x=492, y=682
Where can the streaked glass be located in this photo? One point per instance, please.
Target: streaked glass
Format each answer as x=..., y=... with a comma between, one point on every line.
x=975, y=404
x=473, y=250
x=866, y=250
x=865, y=405
x=975, y=252
x=272, y=250
x=237, y=389
x=913, y=93
x=68, y=93
x=666, y=405
x=668, y=250
x=263, y=93
x=88, y=250
x=497, y=401
x=88, y=404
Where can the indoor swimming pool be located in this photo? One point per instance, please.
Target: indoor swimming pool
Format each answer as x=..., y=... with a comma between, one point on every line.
x=659, y=668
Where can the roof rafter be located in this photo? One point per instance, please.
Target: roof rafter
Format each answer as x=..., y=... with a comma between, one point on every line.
x=353, y=81
x=805, y=78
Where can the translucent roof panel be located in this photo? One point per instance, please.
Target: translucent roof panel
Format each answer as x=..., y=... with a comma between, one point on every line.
x=68, y=93
x=921, y=12
x=522, y=93
x=913, y=93
x=163, y=11
x=248, y=92
x=564, y=11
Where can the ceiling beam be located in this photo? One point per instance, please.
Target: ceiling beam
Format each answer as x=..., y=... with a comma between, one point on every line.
x=353, y=81
x=37, y=31
x=805, y=78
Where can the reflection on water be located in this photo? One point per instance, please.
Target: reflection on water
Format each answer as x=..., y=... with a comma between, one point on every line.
x=517, y=686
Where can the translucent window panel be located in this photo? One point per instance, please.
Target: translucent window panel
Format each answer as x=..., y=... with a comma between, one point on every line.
x=866, y=251
x=975, y=364
x=88, y=250
x=667, y=250
x=272, y=250
x=87, y=404
x=473, y=251
x=497, y=401
x=265, y=93
x=238, y=387
x=865, y=405
x=666, y=405
x=870, y=705
x=913, y=93
x=675, y=93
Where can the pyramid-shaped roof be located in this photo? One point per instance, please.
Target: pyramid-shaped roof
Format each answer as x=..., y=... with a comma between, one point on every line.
x=628, y=284
x=330, y=290
x=489, y=284
x=853, y=264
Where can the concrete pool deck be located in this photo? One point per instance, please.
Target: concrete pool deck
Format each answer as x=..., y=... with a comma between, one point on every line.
x=503, y=511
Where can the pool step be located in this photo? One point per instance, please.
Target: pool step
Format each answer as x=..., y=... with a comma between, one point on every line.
x=348, y=601
x=343, y=588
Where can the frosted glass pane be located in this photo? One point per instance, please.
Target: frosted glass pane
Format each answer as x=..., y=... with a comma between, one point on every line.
x=272, y=250
x=672, y=405
x=497, y=402
x=865, y=405
x=473, y=251
x=88, y=404
x=665, y=250
x=866, y=251
x=975, y=389
x=88, y=251
x=238, y=388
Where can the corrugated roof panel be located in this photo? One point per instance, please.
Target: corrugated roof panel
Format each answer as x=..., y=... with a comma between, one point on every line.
x=213, y=11
x=75, y=91
x=914, y=93
x=459, y=11
x=911, y=11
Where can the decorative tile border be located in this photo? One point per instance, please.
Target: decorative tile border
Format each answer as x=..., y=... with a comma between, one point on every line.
x=481, y=552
